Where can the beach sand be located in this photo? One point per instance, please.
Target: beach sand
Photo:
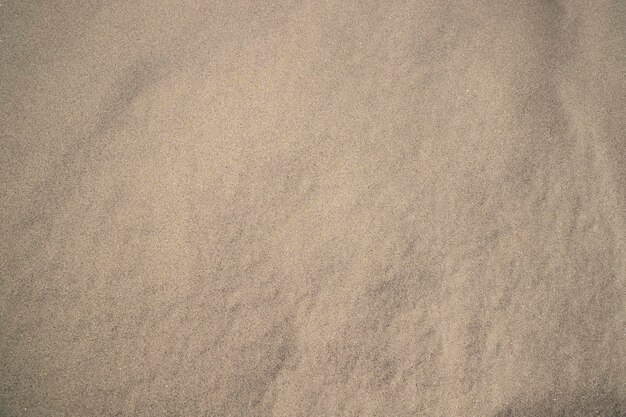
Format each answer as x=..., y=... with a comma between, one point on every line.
x=326, y=208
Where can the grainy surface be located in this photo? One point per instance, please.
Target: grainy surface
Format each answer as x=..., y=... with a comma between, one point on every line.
x=326, y=208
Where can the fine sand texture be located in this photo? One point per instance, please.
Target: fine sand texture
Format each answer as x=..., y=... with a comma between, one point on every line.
x=313, y=208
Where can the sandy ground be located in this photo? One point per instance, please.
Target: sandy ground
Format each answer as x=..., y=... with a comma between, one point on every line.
x=326, y=208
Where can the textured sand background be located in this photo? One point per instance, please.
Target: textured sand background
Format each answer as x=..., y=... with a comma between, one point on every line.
x=327, y=208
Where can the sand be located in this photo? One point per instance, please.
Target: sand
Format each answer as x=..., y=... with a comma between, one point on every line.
x=326, y=208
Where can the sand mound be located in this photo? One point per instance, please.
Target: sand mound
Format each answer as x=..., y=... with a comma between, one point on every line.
x=338, y=208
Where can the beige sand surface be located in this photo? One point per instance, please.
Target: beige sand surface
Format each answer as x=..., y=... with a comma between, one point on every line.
x=312, y=208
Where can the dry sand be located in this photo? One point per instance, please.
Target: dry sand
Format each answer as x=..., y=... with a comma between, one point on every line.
x=328, y=208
